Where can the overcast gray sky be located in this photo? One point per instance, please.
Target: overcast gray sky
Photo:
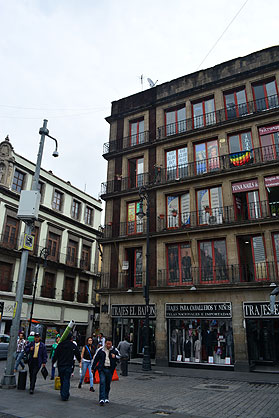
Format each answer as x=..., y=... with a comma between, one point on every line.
x=67, y=60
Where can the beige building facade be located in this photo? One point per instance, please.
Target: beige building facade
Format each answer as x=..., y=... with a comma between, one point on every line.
x=65, y=234
x=205, y=148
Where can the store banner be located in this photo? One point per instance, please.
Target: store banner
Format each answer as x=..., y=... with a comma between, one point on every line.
x=132, y=311
x=199, y=310
x=245, y=186
x=271, y=181
x=268, y=130
x=259, y=310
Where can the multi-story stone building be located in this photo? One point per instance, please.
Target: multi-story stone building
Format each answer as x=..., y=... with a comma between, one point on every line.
x=206, y=148
x=67, y=228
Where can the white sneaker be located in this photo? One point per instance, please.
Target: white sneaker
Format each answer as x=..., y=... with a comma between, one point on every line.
x=106, y=401
x=101, y=402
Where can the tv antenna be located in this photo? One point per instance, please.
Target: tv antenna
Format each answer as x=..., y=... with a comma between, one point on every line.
x=151, y=83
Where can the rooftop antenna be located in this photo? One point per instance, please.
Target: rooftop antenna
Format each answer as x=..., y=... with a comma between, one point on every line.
x=151, y=83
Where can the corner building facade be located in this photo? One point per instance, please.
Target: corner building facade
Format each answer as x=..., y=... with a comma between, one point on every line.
x=206, y=148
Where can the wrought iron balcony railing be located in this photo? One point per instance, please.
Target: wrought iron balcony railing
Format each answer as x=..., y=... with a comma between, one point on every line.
x=210, y=166
x=207, y=217
x=126, y=143
x=222, y=274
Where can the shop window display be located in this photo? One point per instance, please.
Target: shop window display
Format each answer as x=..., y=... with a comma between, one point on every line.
x=201, y=341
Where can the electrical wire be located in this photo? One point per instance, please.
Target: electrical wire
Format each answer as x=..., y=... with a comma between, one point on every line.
x=227, y=27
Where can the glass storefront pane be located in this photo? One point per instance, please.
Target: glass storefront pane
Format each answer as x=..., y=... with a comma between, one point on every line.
x=201, y=341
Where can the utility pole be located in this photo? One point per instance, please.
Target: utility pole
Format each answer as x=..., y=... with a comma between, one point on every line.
x=8, y=380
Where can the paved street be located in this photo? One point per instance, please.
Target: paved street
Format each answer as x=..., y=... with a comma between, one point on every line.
x=162, y=392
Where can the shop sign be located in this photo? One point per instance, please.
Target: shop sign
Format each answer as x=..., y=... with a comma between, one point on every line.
x=271, y=181
x=132, y=311
x=199, y=310
x=269, y=130
x=259, y=310
x=245, y=186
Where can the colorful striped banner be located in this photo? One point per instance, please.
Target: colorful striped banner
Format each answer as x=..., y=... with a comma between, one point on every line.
x=240, y=158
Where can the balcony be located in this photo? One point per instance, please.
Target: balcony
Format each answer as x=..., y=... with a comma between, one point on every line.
x=126, y=143
x=48, y=292
x=82, y=297
x=68, y=295
x=198, y=169
x=200, y=219
x=234, y=274
x=218, y=117
x=123, y=184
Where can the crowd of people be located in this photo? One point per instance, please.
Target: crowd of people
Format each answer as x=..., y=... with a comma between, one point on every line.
x=97, y=355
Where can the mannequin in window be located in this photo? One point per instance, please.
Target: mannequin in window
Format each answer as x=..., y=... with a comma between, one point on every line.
x=229, y=341
x=174, y=339
x=197, y=349
x=187, y=347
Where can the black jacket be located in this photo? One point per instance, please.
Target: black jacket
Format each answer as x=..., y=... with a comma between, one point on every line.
x=100, y=356
x=65, y=352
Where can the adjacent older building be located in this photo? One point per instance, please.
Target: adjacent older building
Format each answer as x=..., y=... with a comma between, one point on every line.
x=206, y=149
x=65, y=235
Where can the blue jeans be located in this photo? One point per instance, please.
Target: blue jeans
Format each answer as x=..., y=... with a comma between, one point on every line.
x=52, y=372
x=84, y=366
x=105, y=381
x=65, y=376
x=19, y=357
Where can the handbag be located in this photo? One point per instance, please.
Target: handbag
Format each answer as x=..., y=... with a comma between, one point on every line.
x=44, y=372
x=25, y=358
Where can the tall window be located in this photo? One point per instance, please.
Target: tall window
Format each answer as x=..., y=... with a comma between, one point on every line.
x=57, y=200
x=265, y=95
x=236, y=103
x=53, y=246
x=85, y=257
x=213, y=261
x=136, y=172
x=210, y=206
x=175, y=121
x=207, y=157
x=48, y=287
x=6, y=277
x=88, y=215
x=11, y=232
x=18, y=180
x=179, y=262
x=137, y=132
x=75, y=209
x=82, y=296
x=269, y=137
x=135, y=224
x=69, y=289
x=72, y=253
x=204, y=113
x=28, y=285
x=178, y=210
x=177, y=163
x=241, y=148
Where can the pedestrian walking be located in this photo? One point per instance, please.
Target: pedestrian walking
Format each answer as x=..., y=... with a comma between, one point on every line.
x=31, y=337
x=86, y=362
x=52, y=351
x=101, y=339
x=21, y=344
x=64, y=355
x=95, y=340
x=124, y=349
x=37, y=358
x=105, y=362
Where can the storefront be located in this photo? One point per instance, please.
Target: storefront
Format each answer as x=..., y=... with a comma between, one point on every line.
x=200, y=334
x=128, y=320
x=262, y=331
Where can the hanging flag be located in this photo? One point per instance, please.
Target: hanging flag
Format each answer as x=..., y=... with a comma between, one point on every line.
x=240, y=158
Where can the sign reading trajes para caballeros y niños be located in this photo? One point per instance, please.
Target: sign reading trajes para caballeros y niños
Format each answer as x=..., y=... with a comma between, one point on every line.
x=132, y=311
x=199, y=310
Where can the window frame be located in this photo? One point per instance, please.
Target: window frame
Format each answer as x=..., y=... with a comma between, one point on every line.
x=135, y=180
x=207, y=160
x=19, y=184
x=9, y=231
x=181, y=171
x=204, y=118
x=54, y=205
x=139, y=135
x=87, y=210
x=217, y=211
x=236, y=104
x=180, y=127
x=50, y=243
x=138, y=223
x=179, y=214
x=86, y=261
x=76, y=209
x=180, y=282
x=212, y=242
x=263, y=83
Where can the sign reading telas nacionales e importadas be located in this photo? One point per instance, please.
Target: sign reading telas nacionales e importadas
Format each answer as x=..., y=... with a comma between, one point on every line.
x=132, y=311
x=199, y=310
x=259, y=310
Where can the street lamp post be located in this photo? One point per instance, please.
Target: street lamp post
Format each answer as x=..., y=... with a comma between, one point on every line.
x=43, y=254
x=146, y=362
x=8, y=380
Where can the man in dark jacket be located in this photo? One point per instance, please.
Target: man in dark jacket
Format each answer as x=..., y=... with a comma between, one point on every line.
x=64, y=355
x=37, y=358
x=105, y=361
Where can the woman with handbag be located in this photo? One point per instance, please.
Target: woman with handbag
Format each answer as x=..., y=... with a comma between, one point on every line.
x=87, y=355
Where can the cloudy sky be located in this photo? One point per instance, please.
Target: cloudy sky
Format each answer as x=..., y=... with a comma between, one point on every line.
x=67, y=60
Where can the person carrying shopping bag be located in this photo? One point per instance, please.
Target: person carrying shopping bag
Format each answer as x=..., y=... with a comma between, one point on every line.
x=87, y=355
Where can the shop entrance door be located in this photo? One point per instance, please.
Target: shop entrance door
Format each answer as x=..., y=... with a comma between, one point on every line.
x=263, y=340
